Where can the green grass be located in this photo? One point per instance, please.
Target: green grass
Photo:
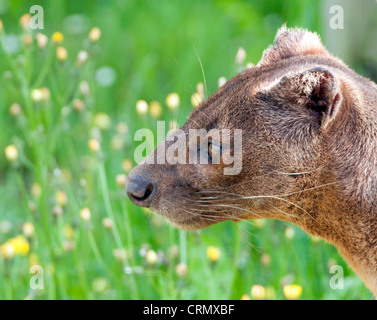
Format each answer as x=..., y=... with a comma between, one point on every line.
x=151, y=46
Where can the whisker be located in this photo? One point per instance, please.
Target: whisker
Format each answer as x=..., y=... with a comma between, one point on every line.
x=278, y=195
x=204, y=217
x=240, y=197
x=201, y=66
x=237, y=208
x=244, y=239
x=287, y=214
x=223, y=216
x=297, y=173
x=265, y=174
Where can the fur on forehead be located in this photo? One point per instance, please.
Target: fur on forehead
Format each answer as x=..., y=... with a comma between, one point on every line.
x=292, y=42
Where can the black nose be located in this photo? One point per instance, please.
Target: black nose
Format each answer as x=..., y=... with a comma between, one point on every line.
x=140, y=190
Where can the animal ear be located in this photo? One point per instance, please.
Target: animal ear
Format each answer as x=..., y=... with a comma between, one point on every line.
x=316, y=90
x=292, y=42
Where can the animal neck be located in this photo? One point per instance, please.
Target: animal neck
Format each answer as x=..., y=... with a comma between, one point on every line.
x=352, y=231
x=347, y=213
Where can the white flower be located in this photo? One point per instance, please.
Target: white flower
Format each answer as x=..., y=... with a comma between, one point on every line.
x=94, y=34
x=41, y=40
x=11, y=153
x=221, y=81
x=240, y=56
x=172, y=101
x=141, y=107
x=85, y=214
x=82, y=56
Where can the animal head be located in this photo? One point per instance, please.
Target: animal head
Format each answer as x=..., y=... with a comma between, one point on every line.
x=287, y=109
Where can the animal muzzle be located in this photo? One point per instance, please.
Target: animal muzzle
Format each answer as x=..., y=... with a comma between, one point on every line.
x=140, y=190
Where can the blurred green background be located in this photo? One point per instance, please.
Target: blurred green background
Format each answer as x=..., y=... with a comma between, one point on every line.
x=75, y=146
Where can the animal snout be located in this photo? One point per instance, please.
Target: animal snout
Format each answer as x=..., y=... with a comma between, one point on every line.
x=140, y=190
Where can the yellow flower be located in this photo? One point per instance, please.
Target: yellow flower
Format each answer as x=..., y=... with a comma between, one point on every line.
x=94, y=145
x=45, y=93
x=213, y=254
x=11, y=153
x=1, y=25
x=15, y=109
x=36, y=190
x=25, y=21
x=196, y=99
x=28, y=229
x=57, y=37
x=270, y=293
x=61, y=198
x=20, y=245
x=258, y=292
x=265, y=259
x=7, y=250
x=33, y=259
x=155, y=109
x=181, y=269
x=78, y=105
x=259, y=223
x=68, y=231
x=245, y=297
x=85, y=214
x=127, y=165
x=61, y=53
x=172, y=101
x=292, y=292
x=146, y=210
x=100, y=285
x=36, y=95
x=121, y=180
x=141, y=107
x=42, y=94
x=289, y=233
x=102, y=120
x=151, y=257
x=94, y=34
x=27, y=39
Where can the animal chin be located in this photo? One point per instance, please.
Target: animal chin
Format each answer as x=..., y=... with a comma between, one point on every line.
x=191, y=224
x=183, y=221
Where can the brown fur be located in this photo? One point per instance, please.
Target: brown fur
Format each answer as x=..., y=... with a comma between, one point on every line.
x=309, y=152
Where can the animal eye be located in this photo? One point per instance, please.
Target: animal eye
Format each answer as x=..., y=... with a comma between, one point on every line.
x=214, y=152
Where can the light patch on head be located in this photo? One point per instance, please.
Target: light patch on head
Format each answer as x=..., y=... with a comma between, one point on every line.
x=293, y=42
